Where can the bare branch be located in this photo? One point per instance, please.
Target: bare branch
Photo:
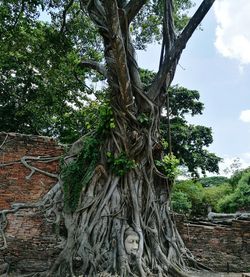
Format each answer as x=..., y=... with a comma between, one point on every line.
x=2, y=144
x=169, y=35
x=94, y=65
x=173, y=56
x=71, y=2
x=133, y=7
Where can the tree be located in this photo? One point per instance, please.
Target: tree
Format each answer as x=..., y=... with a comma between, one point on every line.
x=208, y=182
x=180, y=202
x=110, y=174
x=188, y=141
x=239, y=198
x=42, y=84
x=194, y=193
x=213, y=195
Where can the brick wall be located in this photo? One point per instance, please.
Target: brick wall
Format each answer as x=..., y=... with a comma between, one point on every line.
x=30, y=238
x=219, y=246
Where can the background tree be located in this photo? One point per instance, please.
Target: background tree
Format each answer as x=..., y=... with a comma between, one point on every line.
x=42, y=85
x=192, y=194
x=188, y=142
x=239, y=198
x=111, y=173
x=213, y=181
x=227, y=195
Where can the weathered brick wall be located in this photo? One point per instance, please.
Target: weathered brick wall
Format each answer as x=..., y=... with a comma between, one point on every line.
x=219, y=246
x=32, y=241
x=29, y=237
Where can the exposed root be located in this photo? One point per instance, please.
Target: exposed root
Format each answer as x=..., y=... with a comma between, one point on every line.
x=50, y=204
x=97, y=233
x=4, y=221
x=34, y=169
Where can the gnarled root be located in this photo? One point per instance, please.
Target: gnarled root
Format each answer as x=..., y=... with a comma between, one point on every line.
x=98, y=230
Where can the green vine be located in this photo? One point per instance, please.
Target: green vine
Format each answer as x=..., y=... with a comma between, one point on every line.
x=168, y=166
x=99, y=117
x=144, y=119
x=79, y=172
x=106, y=119
x=121, y=164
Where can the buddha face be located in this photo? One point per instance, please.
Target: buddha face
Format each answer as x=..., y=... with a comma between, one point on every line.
x=132, y=243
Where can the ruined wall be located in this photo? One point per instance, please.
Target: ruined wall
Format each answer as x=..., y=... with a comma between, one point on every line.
x=30, y=239
x=33, y=243
x=219, y=247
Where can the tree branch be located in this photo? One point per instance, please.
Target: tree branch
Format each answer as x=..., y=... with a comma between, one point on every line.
x=94, y=65
x=19, y=14
x=71, y=2
x=173, y=56
x=118, y=51
x=133, y=7
x=169, y=35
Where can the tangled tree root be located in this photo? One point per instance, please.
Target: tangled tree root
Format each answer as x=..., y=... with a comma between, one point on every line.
x=97, y=232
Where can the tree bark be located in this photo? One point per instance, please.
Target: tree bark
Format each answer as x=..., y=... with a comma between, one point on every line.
x=113, y=203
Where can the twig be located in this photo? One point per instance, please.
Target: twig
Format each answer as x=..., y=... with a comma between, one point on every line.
x=4, y=141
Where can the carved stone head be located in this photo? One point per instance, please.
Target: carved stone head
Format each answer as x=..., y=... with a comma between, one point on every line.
x=131, y=241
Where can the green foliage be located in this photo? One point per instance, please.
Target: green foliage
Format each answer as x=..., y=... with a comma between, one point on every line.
x=120, y=164
x=168, y=166
x=239, y=199
x=213, y=181
x=214, y=194
x=189, y=142
x=181, y=203
x=146, y=77
x=37, y=82
x=144, y=119
x=184, y=101
x=221, y=196
x=106, y=119
x=42, y=86
x=236, y=177
x=79, y=172
x=146, y=27
x=194, y=193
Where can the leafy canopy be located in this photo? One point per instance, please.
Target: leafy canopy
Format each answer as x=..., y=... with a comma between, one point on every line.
x=45, y=90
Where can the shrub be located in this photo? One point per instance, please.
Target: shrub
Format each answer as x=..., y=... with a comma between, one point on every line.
x=181, y=203
x=239, y=199
x=194, y=193
x=215, y=193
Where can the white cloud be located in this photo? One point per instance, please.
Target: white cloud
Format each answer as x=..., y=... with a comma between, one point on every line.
x=232, y=32
x=246, y=156
x=245, y=116
x=230, y=164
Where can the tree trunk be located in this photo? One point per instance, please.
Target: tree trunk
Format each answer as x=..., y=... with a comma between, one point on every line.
x=114, y=210
x=122, y=223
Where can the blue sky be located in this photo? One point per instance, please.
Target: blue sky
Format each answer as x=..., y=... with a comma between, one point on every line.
x=216, y=62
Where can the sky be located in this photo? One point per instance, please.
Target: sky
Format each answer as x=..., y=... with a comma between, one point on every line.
x=216, y=62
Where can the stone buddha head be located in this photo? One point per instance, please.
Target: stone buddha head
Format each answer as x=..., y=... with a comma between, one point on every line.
x=131, y=242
